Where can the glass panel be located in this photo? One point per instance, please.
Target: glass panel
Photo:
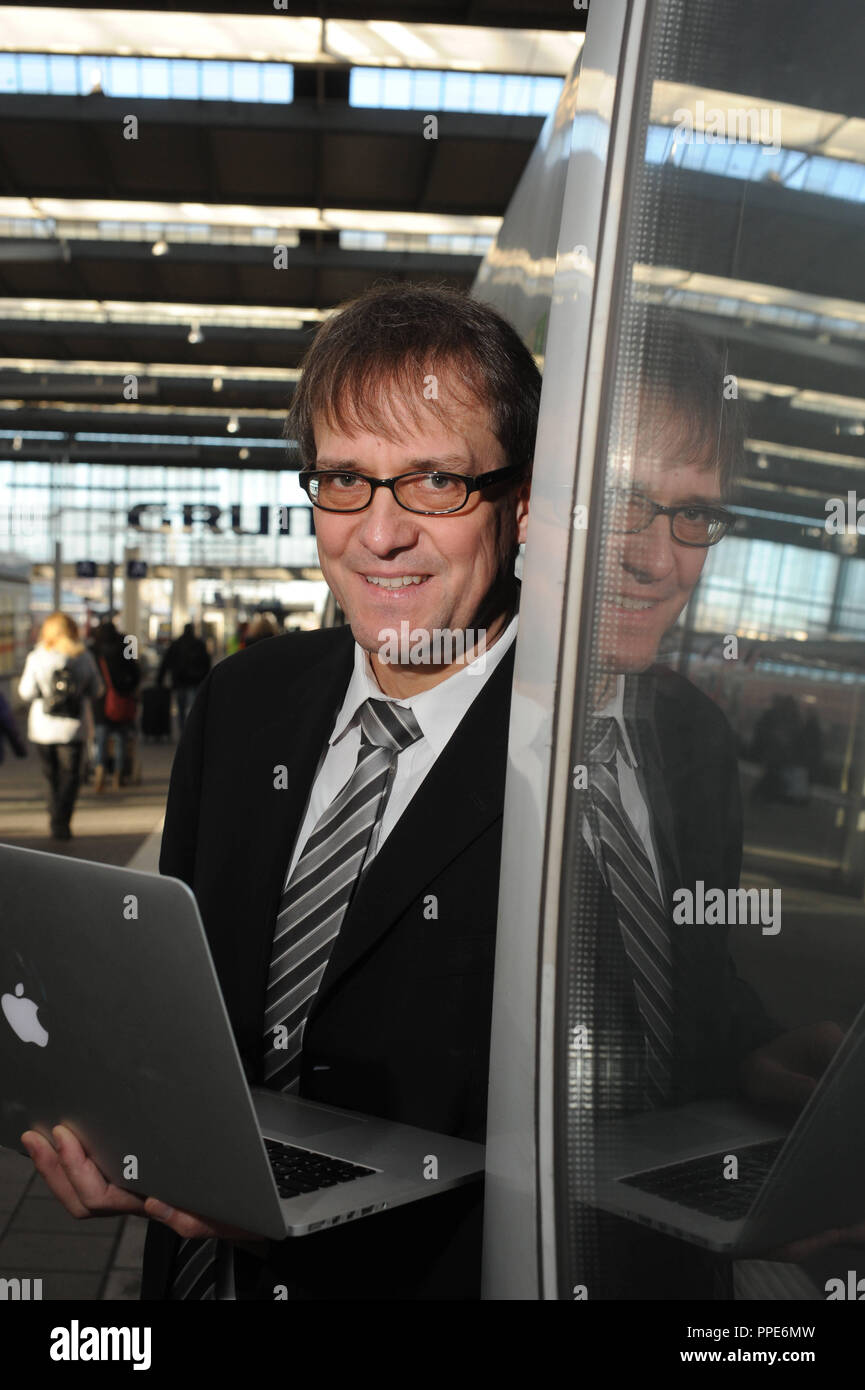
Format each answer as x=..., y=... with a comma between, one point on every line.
x=8, y=72
x=244, y=81
x=396, y=89
x=123, y=77
x=364, y=87
x=34, y=72
x=427, y=90
x=457, y=92
x=712, y=942
x=184, y=78
x=276, y=82
x=155, y=77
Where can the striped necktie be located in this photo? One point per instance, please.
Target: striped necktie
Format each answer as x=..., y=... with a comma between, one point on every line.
x=311, y=911
x=643, y=917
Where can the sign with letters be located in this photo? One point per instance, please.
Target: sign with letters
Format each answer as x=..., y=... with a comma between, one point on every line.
x=157, y=516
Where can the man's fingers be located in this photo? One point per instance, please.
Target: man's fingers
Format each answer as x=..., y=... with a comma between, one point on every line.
x=47, y=1164
x=94, y=1191
x=187, y=1224
x=184, y=1223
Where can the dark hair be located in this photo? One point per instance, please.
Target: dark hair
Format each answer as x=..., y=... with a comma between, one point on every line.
x=693, y=374
x=400, y=339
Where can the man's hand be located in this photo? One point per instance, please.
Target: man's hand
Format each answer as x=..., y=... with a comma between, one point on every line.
x=781, y=1075
x=85, y=1192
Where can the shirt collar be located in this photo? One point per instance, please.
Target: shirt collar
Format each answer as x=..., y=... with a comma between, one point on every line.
x=438, y=710
x=615, y=709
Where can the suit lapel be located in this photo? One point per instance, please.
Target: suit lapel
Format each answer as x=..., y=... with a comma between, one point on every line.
x=461, y=795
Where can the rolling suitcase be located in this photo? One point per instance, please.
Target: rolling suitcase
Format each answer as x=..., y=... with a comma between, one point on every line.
x=155, y=712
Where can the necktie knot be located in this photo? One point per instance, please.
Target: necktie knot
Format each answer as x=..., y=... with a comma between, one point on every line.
x=389, y=726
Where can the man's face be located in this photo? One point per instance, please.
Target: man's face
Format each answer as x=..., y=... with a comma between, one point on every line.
x=649, y=576
x=453, y=561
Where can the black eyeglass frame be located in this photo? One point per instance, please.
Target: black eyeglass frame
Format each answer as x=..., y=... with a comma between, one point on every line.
x=472, y=484
x=726, y=518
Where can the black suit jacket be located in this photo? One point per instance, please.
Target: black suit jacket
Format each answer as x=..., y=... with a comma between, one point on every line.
x=401, y=1022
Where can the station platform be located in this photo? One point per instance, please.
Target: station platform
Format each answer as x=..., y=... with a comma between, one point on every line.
x=100, y=1258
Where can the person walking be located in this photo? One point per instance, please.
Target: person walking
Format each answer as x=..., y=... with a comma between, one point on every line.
x=187, y=661
x=59, y=678
x=114, y=714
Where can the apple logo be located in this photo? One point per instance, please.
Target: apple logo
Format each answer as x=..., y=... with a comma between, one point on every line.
x=21, y=1017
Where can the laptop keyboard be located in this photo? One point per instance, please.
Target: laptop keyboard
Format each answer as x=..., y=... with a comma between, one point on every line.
x=302, y=1170
x=699, y=1182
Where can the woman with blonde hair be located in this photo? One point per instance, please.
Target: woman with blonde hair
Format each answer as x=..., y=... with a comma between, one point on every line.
x=59, y=677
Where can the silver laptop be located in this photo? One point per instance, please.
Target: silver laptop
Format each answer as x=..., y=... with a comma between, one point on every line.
x=112, y=1022
x=671, y=1169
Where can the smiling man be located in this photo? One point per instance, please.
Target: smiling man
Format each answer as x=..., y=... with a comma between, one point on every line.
x=415, y=418
x=337, y=812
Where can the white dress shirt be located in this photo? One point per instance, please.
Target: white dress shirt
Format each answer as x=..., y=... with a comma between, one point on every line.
x=633, y=802
x=438, y=711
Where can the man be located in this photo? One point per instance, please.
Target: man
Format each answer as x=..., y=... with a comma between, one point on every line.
x=416, y=415
x=187, y=662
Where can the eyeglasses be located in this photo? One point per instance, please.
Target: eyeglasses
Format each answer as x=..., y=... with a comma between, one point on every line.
x=691, y=524
x=430, y=494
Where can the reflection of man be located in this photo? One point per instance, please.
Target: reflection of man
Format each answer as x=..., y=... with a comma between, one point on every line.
x=339, y=818
x=673, y=774
x=665, y=803
x=664, y=806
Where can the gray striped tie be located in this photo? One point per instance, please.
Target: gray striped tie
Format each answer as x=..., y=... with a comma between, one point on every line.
x=643, y=918
x=311, y=911
x=315, y=899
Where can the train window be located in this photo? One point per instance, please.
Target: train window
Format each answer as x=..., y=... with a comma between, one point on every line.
x=711, y=969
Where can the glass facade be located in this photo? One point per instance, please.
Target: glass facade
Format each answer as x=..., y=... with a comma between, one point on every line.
x=489, y=93
x=711, y=959
x=180, y=79
x=174, y=516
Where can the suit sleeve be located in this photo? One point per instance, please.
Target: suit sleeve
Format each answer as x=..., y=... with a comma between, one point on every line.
x=180, y=832
x=750, y=1024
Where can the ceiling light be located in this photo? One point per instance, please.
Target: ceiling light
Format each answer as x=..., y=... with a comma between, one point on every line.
x=338, y=37
x=195, y=334
x=159, y=248
x=217, y=383
x=233, y=425
x=243, y=454
x=400, y=37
